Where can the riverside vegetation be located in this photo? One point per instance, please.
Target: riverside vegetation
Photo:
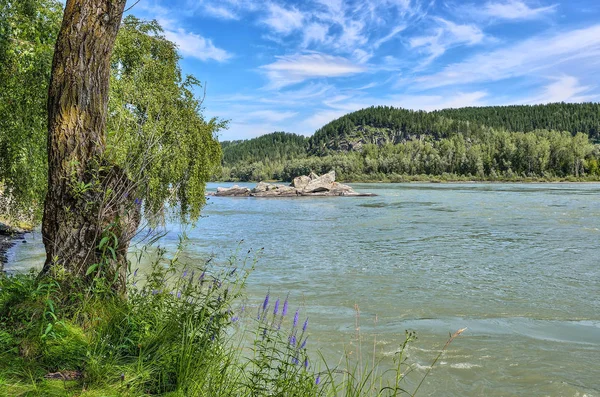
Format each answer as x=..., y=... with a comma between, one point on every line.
x=183, y=331
x=502, y=143
x=87, y=325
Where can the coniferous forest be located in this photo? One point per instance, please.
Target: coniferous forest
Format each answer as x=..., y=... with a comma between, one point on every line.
x=541, y=142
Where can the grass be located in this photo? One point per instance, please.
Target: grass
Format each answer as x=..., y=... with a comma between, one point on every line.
x=182, y=331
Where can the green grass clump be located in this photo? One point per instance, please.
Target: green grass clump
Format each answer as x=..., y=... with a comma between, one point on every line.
x=181, y=331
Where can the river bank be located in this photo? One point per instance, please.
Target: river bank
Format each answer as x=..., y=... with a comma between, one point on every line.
x=9, y=236
x=442, y=179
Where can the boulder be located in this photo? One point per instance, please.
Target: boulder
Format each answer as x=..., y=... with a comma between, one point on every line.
x=235, y=190
x=300, y=182
x=311, y=185
x=321, y=183
x=276, y=190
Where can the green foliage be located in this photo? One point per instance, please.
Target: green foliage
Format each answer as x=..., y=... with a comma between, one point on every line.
x=572, y=117
x=276, y=146
x=28, y=31
x=261, y=158
x=156, y=131
x=389, y=144
x=180, y=332
x=384, y=124
x=491, y=155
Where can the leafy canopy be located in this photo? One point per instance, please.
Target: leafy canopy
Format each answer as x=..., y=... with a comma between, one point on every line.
x=155, y=130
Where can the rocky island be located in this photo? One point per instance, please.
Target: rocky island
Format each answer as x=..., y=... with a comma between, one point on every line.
x=312, y=185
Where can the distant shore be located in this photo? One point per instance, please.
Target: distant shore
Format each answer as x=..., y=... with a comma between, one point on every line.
x=440, y=179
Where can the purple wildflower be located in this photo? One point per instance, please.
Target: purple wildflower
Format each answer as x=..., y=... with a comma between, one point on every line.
x=234, y=319
x=154, y=291
x=303, y=345
x=184, y=275
x=295, y=360
x=276, y=307
x=293, y=340
x=178, y=294
x=305, y=325
x=318, y=380
x=285, y=308
x=135, y=272
x=266, y=302
x=306, y=362
x=296, y=318
x=137, y=201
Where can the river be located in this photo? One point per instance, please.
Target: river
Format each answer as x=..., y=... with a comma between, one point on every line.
x=517, y=264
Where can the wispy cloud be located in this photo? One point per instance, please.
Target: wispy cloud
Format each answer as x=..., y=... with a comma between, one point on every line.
x=283, y=20
x=220, y=12
x=512, y=10
x=341, y=105
x=447, y=35
x=525, y=58
x=563, y=89
x=293, y=69
x=196, y=46
x=271, y=116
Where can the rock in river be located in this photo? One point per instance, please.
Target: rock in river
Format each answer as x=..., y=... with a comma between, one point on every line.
x=312, y=185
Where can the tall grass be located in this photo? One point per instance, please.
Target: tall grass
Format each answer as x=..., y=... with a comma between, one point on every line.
x=182, y=331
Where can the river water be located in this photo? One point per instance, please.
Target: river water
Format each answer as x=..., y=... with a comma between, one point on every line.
x=517, y=264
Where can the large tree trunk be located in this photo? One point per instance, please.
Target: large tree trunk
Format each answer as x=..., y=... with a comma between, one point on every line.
x=87, y=198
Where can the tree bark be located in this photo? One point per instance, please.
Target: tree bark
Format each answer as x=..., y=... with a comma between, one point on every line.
x=87, y=198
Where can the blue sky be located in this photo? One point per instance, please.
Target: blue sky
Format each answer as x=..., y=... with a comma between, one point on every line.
x=296, y=65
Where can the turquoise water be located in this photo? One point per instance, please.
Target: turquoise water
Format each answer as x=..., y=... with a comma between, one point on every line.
x=517, y=264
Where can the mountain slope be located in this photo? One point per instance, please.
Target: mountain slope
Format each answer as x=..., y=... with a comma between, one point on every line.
x=385, y=124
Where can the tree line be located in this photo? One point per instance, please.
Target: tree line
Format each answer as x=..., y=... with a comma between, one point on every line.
x=385, y=143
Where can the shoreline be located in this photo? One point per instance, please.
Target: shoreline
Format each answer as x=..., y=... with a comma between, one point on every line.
x=8, y=238
x=426, y=180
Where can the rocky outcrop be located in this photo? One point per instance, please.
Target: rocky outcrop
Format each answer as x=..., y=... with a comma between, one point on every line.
x=235, y=190
x=311, y=185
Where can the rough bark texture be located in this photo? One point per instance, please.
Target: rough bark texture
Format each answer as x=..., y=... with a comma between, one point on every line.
x=87, y=198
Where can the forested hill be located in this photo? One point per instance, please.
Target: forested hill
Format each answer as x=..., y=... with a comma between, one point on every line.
x=384, y=124
x=277, y=146
x=549, y=142
x=572, y=117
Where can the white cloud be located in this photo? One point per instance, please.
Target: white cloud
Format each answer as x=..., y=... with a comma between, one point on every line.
x=447, y=35
x=320, y=118
x=315, y=33
x=292, y=69
x=564, y=89
x=196, y=46
x=525, y=58
x=220, y=12
x=513, y=10
x=389, y=36
x=270, y=116
x=283, y=21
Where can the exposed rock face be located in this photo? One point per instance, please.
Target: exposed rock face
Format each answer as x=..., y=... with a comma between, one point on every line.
x=312, y=185
x=323, y=183
x=300, y=182
x=235, y=190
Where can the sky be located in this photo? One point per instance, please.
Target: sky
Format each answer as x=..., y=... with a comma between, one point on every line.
x=294, y=66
